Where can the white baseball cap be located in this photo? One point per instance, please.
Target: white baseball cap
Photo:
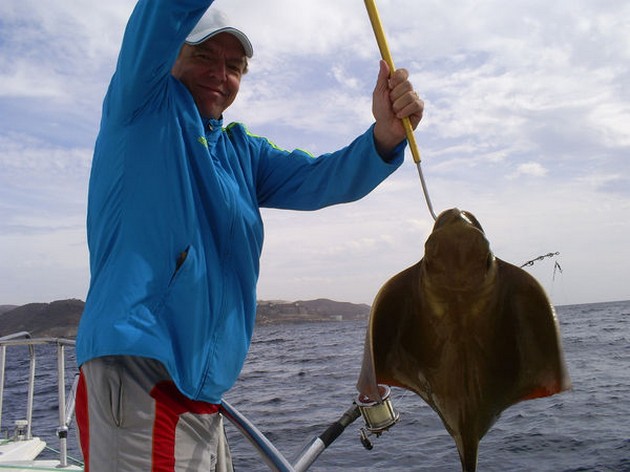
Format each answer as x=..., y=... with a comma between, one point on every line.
x=213, y=22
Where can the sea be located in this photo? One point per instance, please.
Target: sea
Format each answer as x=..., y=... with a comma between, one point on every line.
x=299, y=378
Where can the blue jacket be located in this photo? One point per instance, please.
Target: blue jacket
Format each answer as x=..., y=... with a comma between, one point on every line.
x=174, y=228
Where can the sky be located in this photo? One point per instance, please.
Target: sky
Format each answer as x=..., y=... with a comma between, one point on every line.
x=526, y=125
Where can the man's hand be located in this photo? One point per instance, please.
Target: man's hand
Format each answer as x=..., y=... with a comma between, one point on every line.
x=393, y=99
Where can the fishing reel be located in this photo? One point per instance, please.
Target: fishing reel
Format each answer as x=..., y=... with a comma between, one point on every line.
x=378, y=416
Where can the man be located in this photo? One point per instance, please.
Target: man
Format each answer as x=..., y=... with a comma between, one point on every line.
x=175, y=234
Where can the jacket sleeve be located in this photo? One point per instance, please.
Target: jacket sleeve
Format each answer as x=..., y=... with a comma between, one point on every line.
x=155, y=32
x=298, y=181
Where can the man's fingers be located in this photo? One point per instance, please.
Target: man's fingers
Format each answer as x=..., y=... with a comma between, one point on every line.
x=405, y=101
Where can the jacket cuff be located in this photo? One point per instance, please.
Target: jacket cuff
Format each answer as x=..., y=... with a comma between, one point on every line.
x=396, y=156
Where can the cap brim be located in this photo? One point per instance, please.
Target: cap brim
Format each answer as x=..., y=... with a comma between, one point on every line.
x=200, y=37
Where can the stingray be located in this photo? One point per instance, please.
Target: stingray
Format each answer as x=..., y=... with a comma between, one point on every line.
x=469, y=333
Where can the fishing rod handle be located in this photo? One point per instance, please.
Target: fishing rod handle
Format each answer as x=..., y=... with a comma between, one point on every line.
x=381, y=40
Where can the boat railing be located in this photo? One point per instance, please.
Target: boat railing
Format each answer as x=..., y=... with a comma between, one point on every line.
x=66, y=409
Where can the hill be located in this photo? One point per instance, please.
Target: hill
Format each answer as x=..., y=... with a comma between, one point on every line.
x=5, y=308
x=60, y=318
x=321, y=309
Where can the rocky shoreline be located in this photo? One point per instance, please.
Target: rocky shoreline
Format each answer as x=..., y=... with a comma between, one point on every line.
x=60, y=318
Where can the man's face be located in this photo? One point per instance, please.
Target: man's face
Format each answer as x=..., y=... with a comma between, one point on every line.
x=212, y=72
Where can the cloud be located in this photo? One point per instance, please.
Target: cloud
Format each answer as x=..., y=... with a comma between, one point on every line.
x=532, y=169
x=42, y=188
x=527, y=125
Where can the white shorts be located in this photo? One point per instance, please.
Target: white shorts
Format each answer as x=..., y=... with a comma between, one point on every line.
x=132, y=418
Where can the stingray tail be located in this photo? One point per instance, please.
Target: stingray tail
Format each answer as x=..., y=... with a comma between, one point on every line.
x=468, y=450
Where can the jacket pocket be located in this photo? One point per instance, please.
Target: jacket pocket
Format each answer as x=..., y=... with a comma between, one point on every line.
x=179, y=262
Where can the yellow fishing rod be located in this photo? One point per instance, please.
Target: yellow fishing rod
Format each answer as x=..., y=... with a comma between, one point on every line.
x=375, y=19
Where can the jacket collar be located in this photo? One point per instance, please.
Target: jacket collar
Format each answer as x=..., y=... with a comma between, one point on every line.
x=211, y=124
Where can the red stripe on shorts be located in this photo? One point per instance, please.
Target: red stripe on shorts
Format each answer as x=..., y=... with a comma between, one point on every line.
x=170, y=403
x=83, y=421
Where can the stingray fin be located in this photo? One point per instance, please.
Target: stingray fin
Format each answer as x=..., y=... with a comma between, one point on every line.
x=543, y=368
x=386, y=318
